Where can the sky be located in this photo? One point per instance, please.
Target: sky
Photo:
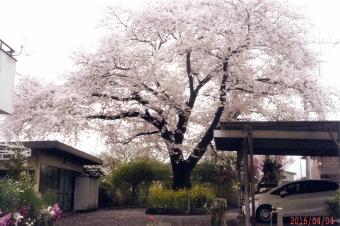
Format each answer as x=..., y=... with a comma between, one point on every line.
x=52, y=30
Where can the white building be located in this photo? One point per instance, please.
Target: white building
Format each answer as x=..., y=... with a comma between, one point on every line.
x=7, y=73
x=323, y=167
x=288, y=177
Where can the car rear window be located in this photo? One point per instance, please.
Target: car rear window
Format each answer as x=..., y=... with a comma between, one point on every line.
x=310, y=187
x=318, y=186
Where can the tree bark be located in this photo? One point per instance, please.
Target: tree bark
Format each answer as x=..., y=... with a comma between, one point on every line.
x=134, y=195
x=182, y=168
x=181, y=172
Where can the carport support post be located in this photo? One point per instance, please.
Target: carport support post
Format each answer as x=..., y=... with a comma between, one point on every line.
x=252, y=192
x=246, y=182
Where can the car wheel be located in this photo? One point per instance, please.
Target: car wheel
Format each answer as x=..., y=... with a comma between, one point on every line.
x=263, y=213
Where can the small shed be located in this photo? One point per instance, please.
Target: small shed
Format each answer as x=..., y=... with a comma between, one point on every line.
x=301, y=138
x=61, y=169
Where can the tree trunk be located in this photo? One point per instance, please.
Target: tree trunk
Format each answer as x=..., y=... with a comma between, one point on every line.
x=134, y=195
x=182, y=168
x=181, y=175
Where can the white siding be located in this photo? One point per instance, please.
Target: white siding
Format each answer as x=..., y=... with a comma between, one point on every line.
x=86, y=193
x=7, y=72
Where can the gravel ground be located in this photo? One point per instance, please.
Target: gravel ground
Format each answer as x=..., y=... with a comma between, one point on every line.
x=133, y=217
x=137, y=217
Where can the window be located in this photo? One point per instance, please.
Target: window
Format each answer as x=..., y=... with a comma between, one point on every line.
x=307, y=187
x=329, y=186
x=291, y=189
x=277, y=191
x=49, y=178
x=3, y=173
x=318, y=186
x=61, y=182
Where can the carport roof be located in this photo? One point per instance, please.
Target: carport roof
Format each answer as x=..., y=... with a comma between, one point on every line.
x=306, y=138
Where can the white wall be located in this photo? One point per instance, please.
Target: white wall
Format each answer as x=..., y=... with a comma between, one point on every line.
x=7, y=73
x=86, y=193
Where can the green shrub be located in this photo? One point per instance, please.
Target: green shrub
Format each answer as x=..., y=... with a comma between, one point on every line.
x=108, y=194
x=48, y=198
x=9, y=195
x=130, y=182
x=334, y=206
x=198, y=196
x=16, y=193
x=20, y=204
x=18, y=164
x=201, y=196
x=222, y=179
x=29, y=197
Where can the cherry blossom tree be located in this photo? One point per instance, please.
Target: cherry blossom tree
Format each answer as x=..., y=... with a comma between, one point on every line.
x=272, y=169
x=164, y=77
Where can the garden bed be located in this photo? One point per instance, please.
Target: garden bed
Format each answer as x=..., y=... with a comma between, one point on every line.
x=177, y=211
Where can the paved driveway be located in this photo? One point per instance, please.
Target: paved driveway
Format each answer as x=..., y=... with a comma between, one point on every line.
x=137, y=217
x=133, y=217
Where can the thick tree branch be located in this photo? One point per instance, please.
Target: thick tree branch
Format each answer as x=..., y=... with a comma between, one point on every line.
x=275, y=83
x=137, y=39
x=250, y=91
x=189, y=73
x=183, y=117
x=193, y=97
x=122, y=68
x=162, y=40
x=125, y=114
x=162, y=96
x=134, y=97
x=267, y=80
x=158, y=122
x=140, y=134
x=201, y=147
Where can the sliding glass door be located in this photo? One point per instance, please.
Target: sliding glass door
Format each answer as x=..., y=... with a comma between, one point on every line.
x=60, y=181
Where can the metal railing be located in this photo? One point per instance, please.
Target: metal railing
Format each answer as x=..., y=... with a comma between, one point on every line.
x=7, y=49
x=6, y=153
x=5, y=156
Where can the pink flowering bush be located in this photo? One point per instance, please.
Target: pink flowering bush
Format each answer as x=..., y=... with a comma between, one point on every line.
x=6, y=220
x=152, y=221
x=55, y=211
x=21, y=205
x=46, y=217
x=12, y=219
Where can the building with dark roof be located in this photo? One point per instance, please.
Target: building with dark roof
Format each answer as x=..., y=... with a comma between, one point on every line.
x=72, y=174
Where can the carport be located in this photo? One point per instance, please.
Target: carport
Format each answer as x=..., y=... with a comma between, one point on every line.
x=300, y=138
